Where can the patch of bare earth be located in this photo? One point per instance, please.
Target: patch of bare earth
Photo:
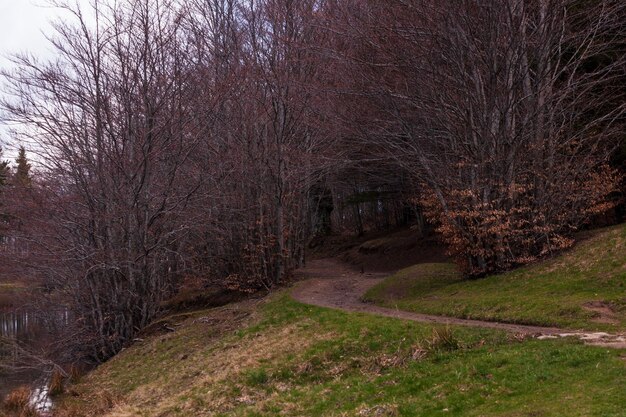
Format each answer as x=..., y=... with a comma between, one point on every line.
x=615, y=341
x=602, y=311
x=380, y=251
x=330, y=283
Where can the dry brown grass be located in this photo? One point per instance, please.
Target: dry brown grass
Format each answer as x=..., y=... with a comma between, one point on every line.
x=442, y=339
x=75, y=373
x=56, y=383
x=202, y=372
x=100, y=403
x=17, y=399
x=17, y=403
x=213, y=389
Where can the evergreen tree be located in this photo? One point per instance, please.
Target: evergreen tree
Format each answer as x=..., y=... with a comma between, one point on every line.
x=4, y=175
x=22, y=174
x=4, y=170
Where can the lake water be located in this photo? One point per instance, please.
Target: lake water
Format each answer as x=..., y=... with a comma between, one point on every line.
x=35, y=331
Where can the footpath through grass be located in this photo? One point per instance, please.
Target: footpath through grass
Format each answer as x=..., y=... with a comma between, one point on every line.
x=282, y=358
x=584, y=288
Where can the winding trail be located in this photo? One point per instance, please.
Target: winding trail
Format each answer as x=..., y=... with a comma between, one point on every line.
x=330, y=283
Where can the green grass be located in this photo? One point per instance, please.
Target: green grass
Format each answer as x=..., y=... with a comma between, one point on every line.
x=285, y=358
x=556, y=292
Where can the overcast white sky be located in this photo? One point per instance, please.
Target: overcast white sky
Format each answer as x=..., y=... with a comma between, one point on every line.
x=22, y=24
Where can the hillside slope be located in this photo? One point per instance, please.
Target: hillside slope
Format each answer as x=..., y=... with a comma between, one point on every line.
x=276, y=357
x=584, y=288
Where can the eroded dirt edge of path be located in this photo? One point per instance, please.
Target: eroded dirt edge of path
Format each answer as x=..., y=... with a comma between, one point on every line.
x=329, y=283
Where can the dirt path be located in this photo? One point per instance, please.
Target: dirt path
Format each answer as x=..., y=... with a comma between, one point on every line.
x=329, y=283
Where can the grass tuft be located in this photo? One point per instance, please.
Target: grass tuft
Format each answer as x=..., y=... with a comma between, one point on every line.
x=443, y=339
x=56, y=383
x=18, y=402
x=257, y=377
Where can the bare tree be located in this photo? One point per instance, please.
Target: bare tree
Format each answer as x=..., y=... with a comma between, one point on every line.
x=202, y=137
x=109, y=115
x=261, y=147
x=499, y=111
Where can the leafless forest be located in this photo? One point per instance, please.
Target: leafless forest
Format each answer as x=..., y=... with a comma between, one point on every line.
x=214, y=139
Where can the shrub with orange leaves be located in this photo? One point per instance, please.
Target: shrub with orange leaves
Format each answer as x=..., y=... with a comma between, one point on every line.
x=517, y=224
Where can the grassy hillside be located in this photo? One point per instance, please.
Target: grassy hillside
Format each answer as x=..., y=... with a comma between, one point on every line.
x=584, y=288
x=279, y=357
